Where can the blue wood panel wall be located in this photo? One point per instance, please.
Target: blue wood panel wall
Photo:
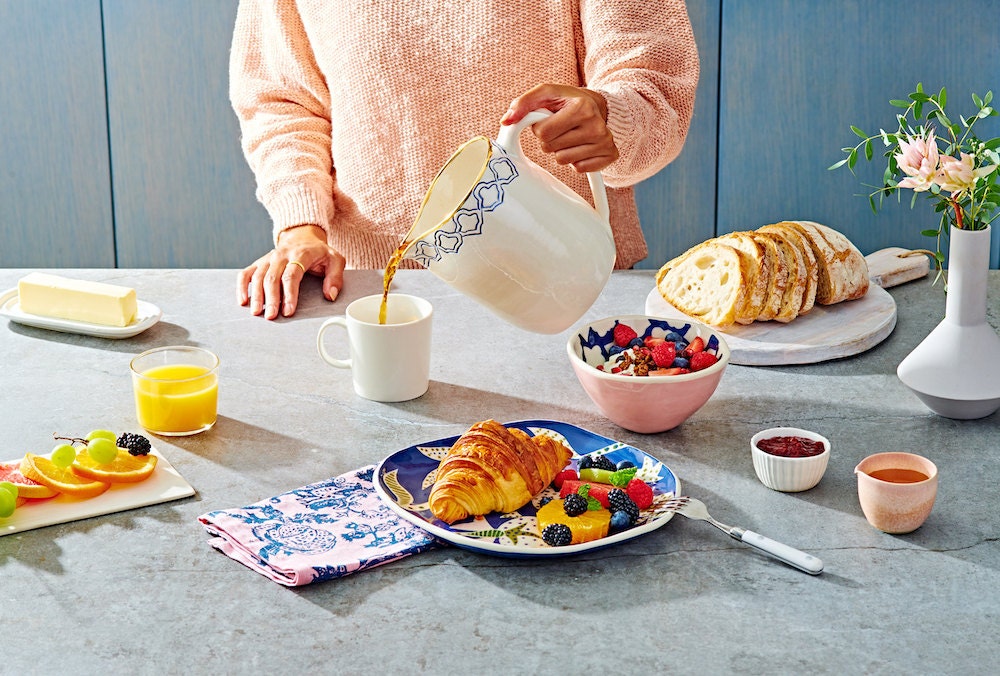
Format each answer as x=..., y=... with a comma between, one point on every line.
x=184, y=196
x=795, y=75
x=677, y=206
x=55, y=197
x=155, y=178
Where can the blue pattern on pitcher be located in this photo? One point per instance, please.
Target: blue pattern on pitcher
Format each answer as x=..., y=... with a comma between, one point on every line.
x=468, y=220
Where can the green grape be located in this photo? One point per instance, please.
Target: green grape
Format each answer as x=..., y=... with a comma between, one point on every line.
x=7, y=504
x=102, y=450
x=101, y=434
x=8, y=487
x=63, y=455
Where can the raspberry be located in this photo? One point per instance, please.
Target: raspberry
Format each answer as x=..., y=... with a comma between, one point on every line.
x=624, y=335
x=557, y=535
x=640, y=492
x=664, y=354
x=562, y=476
x=135, y=444
x=651, y=342
x=702, y=360
x=574, y=504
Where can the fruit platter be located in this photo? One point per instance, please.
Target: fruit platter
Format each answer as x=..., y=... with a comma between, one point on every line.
x=98, y=474
x=582, y=510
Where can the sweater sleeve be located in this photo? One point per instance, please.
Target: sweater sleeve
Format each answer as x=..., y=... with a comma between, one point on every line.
x=282, y=103
x=641, y=55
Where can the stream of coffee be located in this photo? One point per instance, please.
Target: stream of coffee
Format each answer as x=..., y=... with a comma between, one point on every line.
x=390, y=272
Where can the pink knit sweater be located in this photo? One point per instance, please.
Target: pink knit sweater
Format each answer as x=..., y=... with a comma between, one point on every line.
x=349, y=108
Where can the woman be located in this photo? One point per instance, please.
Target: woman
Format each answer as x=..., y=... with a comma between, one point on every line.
x=348, y=110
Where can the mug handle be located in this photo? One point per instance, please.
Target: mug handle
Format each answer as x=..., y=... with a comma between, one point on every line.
x=509, y=139
x=332, y=361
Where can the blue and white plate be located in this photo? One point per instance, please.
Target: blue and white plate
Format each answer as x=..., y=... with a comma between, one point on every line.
x=405, y=478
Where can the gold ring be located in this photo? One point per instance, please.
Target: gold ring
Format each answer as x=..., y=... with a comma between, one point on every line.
x=299, y=264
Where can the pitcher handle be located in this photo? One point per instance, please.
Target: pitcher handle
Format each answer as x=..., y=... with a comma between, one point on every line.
x=509, y=139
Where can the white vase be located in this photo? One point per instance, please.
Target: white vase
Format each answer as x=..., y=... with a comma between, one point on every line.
x=955, y=370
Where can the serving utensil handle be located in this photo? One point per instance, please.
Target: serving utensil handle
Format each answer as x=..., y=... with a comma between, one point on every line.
x=793, y=557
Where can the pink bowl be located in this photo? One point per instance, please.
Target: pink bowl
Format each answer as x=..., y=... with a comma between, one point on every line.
x=645, y=404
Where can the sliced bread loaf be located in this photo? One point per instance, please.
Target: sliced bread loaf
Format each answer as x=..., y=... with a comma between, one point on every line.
x=812, y=275
x=842, y=270
x=706, y=283
x=757, y=273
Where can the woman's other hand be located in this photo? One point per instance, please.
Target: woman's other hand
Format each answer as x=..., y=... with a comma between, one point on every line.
x=577, y=133
x=270, y=285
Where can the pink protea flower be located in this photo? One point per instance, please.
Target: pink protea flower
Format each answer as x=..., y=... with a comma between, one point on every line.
x=918, y=159
x=957, y=176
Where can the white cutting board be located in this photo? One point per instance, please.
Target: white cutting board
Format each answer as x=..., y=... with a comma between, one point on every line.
x=163, y=485
x=828, y=331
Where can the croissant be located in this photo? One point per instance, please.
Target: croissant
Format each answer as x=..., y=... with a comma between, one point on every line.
x=492, y=468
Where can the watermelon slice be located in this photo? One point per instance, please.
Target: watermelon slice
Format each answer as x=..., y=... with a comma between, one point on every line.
x=597, y=491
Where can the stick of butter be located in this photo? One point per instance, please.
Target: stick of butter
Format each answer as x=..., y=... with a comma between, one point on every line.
x=76, y=299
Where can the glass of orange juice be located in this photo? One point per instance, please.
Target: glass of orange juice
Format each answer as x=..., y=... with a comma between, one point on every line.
x=176, y=389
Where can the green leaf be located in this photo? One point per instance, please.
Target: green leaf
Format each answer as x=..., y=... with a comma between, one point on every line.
x=899, y=103
x=838, y=164
x=868, y=150
x=621, y=477
x=943, y=97
x=858, y=132
x=978, y=101
x=929, y=233
x=852, y=158
x=919, y=97
x=871, y=203
x=988, y=98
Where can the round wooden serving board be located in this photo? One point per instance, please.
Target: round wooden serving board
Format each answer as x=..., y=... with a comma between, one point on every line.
x=827, y=332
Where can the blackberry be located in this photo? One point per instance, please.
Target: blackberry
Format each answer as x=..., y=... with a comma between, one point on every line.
x=135, y=444
x=619, y=501
x=585, y=462
x=575, y=504
x=602, y=462
x=557, y=535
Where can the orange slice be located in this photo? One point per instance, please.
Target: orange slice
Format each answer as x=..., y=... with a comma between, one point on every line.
x=26, y=488
x=59, y=479
x=124, y=469
x=591, y=525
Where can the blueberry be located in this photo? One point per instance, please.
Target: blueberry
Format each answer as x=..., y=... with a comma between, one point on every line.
x=624, y=464
x=681, y=362
x=620, y=521
x=674, y=337
x=636, y=342
x=585, y=462
x=615, y=349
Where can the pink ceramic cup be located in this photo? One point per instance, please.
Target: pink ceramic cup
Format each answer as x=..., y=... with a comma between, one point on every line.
x=896, y=490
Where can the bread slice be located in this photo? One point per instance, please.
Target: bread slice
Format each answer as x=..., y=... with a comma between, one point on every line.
x=812, y=273
x=795, y=287
x=842, y=270
x=758, y=273
x=778, y=279
x=707, y=283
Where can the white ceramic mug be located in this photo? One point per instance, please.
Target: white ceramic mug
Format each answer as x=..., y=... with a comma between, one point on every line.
x=505, y=232
x=389, y=362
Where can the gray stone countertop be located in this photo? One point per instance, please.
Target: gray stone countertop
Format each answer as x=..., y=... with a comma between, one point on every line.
x=142, y=592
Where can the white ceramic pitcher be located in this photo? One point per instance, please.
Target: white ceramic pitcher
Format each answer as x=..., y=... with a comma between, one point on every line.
x=502, y=230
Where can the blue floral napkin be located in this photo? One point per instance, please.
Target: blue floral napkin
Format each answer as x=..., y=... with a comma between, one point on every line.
x=318, y=532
